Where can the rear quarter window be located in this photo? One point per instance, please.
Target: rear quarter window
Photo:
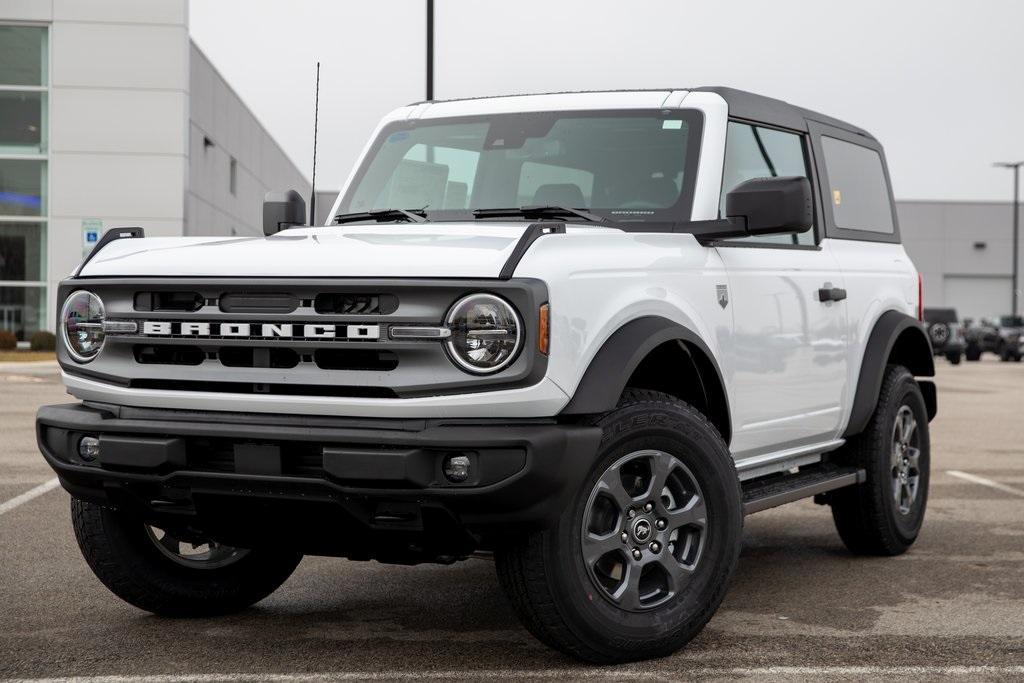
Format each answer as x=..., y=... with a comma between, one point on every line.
x=858, y=190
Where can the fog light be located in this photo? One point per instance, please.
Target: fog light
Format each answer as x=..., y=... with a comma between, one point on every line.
x=456, y=468
x=89, y=448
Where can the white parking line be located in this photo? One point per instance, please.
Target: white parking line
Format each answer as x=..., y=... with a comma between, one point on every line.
x=45, y=487
x=966, y=476
x=570, y=674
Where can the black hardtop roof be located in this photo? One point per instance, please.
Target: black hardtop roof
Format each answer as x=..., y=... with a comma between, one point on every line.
x=754, y=107
x=742, y=105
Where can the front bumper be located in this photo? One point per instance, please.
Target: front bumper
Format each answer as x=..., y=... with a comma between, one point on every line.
x=353, y=487
x=953, y=346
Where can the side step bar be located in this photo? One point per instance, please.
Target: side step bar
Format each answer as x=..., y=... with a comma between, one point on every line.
x=769, y=492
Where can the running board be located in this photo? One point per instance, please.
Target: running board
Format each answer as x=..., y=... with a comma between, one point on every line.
x=769, y=492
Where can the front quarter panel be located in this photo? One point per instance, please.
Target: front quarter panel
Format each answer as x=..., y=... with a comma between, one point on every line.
x=599, y=280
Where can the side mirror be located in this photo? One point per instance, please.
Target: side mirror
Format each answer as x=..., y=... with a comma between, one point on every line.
x=769, y=206
x=282, y=210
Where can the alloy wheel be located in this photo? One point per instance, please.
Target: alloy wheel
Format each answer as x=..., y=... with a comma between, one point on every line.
x=644, y=527
x=906, y=454
x=193, y=553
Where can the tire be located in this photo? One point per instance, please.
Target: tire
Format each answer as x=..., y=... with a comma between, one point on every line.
x=972, y=353
x=953, y=358
x=868, y=516
x=556, y=592
x=939, y=333
x=125, y=555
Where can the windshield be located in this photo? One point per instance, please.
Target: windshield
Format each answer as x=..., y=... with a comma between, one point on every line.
x=622, y=166
x=1011, y=321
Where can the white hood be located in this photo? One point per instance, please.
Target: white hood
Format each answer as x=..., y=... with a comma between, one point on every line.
x=388, y=250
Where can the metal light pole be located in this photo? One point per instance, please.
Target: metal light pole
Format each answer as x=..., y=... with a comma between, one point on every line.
x=430, y=49
x=1015, y=165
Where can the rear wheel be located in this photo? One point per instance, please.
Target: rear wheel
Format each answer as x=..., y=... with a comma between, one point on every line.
x=953, y=358
x=173, y=573
x=639, y=562
x=883, y=515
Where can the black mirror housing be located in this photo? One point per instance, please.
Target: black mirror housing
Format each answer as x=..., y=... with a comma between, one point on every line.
x=282, y=210
x=770, y=206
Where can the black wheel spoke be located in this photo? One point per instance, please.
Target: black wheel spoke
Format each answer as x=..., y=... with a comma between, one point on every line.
x=677, y=575
x=694, y=513
x=170, y=543
x=662, y=465
x=628, y=593
x=611, y=485
x=596, y=546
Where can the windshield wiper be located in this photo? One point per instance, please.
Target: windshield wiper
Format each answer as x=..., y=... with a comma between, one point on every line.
x=539, y=212
x=382, y=216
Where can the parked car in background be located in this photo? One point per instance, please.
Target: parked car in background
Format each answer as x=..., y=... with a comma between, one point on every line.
x=1001, y=336
x=945, y=332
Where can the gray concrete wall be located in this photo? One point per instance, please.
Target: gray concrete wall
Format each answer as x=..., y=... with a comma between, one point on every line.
x=964, y=250
x=117, y=119
x=221, y=128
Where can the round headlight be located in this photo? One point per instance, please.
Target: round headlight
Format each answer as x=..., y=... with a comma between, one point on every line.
x=82, y=325
x=486, y=333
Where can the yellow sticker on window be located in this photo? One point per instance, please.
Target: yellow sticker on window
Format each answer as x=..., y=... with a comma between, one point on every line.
x=837, y=197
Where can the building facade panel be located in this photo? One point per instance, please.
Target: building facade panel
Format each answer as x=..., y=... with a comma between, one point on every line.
x=144, y=56
x=119, y=121
x=126, y=186
x=121, y=11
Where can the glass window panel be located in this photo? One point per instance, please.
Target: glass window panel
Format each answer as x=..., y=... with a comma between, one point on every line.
x=630, y=167
x=22, y=122
x=22, y=183
x=858, y=190
x=755, y=152
x=23, y=58
x=22, y=310
x=577, y=186
x=23, y=251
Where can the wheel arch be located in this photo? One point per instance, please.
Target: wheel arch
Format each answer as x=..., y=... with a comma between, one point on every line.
x=899, y=339
x=632, y=357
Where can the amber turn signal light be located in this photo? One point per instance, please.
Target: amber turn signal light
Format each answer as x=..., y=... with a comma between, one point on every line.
x=543, y=338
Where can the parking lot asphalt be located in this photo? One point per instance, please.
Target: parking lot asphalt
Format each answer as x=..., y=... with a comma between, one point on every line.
x=800, y=607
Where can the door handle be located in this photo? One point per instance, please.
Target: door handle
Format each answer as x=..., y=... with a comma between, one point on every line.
x=828, y=293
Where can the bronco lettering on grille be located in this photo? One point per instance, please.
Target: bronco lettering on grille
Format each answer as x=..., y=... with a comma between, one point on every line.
x=165, y=328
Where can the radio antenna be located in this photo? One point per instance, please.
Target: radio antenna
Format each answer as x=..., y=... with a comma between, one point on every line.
x=316, y=117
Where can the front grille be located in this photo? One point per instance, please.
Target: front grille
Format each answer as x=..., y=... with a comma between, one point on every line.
x=295, y=337
x=159, y=354
x=188, y=302
x=245, y=357
x=263, y=388
x=356, y=304
x=269, y=302
x=356, y=359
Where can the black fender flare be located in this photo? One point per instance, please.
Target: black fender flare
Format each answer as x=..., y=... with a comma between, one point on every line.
x=609, y=371
x=915, y=353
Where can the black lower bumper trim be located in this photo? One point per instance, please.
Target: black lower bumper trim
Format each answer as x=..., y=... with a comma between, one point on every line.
x=324, y=484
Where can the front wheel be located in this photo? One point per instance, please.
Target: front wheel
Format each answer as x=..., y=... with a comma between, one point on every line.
x=883, y=515
x=639, y=562
x=172, y=573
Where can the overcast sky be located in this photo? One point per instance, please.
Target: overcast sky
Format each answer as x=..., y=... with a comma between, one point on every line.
x=939, y=82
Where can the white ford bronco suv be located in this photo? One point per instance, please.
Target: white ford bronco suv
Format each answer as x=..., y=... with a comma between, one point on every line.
x=585, y=332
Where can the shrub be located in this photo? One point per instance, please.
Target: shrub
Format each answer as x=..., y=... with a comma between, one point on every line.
x=8, y=342
x=43, y=341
